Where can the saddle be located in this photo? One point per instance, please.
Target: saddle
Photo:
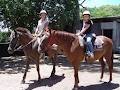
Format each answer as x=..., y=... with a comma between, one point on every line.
x=97, y=42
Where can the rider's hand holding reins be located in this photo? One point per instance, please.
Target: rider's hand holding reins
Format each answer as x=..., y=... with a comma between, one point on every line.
x=79, y=34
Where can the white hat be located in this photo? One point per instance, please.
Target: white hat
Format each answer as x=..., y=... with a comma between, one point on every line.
x=43, y=11
x=86, y=12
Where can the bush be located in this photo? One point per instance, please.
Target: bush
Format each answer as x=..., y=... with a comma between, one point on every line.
x=4, y=37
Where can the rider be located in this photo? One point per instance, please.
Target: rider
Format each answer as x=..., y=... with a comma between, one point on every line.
x=41, y=31
x=87, y=31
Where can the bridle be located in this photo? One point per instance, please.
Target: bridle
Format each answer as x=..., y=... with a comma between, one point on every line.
x=23, y=46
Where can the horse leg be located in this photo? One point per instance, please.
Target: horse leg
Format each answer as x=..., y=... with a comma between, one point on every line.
x=26, y=70
x=102, y=67
x=54, y=69
x=37, y=67
x=109, y=60
x=76, y=77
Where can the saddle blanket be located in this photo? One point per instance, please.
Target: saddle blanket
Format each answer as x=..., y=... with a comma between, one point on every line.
x=98, y=44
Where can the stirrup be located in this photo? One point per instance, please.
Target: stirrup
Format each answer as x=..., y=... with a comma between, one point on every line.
x=88, y=58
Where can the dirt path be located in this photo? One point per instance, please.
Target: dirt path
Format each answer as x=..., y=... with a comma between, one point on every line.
x=11, y=72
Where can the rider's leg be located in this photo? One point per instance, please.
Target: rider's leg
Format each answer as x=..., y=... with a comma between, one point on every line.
x=89, y=46
x=40, y=42
x=35, y=45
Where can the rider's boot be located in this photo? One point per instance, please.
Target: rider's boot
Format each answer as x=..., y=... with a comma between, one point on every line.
x=90, y=57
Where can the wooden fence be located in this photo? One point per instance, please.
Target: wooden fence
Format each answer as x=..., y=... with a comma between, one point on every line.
x=4, y=52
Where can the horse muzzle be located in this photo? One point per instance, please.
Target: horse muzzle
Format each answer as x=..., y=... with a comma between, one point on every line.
x=10, y=50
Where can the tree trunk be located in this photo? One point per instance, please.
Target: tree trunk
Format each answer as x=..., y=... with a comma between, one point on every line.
x=77, y=24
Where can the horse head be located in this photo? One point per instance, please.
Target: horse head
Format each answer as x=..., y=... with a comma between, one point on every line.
x=13, y=44
x=20, y=36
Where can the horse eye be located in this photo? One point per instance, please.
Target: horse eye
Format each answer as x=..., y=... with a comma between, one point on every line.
x=9, y=39
x=14, y=36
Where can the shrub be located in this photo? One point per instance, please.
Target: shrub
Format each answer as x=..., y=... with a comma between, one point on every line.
x=4, y=37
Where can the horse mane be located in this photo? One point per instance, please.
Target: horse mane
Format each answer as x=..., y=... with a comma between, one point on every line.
x=23, y=30
x=68, y=37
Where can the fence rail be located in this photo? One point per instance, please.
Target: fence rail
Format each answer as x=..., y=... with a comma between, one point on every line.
x=4, y=52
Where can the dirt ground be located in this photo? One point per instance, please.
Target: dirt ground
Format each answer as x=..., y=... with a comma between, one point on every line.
x=12, y=68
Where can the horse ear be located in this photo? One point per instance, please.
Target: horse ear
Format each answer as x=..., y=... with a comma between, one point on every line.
x=15, y=32
x=10, y=30
x=19, y=33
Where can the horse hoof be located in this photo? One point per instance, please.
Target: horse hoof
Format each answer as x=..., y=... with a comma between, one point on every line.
x=75, y=88
x=100, y=80
x=23, y=82
x=52, y=75
x=63, y=75
x=39, y=79
x=110, y=81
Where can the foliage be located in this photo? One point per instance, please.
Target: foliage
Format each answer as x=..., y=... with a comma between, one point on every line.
x=4, y=37
x=24, y=12
x=18, y=13
x=64, y=13
x=105, y=11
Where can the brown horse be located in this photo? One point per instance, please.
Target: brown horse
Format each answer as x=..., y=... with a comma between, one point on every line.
x=69, y=43
x=23, y=37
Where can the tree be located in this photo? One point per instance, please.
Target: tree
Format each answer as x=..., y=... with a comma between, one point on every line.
x=18, y=13
x=24, y=12
x=105, y=11
x=4, y=37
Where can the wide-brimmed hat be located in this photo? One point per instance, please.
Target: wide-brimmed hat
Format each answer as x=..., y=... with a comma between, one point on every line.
x=42, y=11
x=86, y=12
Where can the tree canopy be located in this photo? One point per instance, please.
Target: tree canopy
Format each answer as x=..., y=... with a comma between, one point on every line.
x=24, y=12
x=104, y=11
x=64, y=13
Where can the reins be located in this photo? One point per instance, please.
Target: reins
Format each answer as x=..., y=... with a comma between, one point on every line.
x=22, y=47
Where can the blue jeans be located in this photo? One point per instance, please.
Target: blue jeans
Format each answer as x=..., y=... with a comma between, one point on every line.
x=89, y=44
